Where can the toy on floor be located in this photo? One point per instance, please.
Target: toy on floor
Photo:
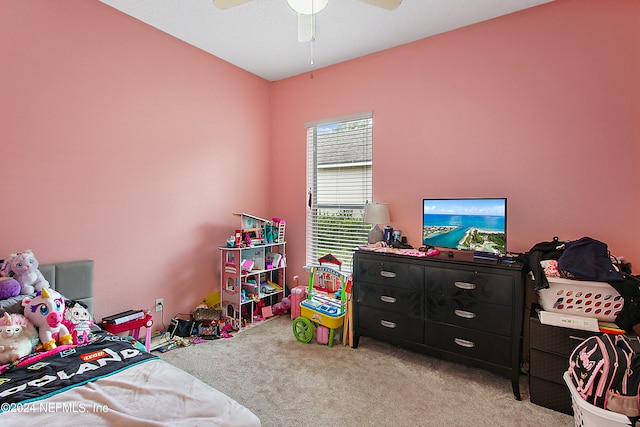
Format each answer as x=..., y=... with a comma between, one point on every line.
x=23, y=267
x=46, y=311
x=298, y=293
x=208, y=330
x=18, y=338
x=282, y=307
x=225, y=330
x=321, y=308
x=322, y=335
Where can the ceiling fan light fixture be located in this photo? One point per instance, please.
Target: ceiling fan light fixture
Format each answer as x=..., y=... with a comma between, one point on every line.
x=307, y=7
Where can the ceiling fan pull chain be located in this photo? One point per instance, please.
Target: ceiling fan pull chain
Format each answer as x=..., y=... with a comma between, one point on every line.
x=313, y=29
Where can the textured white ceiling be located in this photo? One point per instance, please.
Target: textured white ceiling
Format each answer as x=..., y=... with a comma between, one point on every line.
x=260, y=36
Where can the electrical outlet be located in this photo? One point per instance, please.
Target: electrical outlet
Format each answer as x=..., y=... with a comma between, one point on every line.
x=159, y=304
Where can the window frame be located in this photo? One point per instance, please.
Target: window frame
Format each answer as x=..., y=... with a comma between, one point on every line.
x=346, y=212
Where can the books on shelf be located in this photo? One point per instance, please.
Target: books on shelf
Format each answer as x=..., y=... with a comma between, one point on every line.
x=125, y=316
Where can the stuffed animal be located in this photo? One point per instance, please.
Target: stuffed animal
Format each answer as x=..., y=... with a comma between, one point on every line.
x=78, y=321
x=18, y=338
x=282, y=307
x=23, y=267
x=9, y=287
x=46, y=311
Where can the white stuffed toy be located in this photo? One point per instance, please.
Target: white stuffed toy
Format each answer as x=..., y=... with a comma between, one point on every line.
x=46, y=311
x=18, y=338
x=23, y=267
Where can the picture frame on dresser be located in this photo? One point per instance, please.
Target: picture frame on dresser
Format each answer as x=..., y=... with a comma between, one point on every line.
x=468, y=312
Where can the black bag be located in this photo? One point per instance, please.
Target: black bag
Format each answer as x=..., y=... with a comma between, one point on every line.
x=588, y=259
x=602, y=364
x=180, y=327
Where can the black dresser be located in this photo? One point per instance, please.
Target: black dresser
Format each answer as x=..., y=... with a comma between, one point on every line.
x=469, y=312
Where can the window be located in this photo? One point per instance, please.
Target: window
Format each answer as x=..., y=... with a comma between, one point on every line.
x=339, y=185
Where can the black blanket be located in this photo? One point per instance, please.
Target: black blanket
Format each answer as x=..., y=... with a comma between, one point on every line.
x=105, y=355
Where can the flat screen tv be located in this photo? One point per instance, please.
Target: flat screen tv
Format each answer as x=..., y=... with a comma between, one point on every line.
x=478, y=225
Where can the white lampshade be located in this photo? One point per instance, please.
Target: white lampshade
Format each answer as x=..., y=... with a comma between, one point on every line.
x=307, y=7
x=376, y=213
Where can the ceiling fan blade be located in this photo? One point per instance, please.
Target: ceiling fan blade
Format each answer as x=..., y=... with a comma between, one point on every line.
x=385, y=4
x=225, y=4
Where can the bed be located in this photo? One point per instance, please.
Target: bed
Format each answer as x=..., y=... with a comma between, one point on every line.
x=108, y=381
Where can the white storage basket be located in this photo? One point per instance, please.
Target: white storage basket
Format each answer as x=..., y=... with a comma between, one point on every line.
x=581, y=298
x=588, y=415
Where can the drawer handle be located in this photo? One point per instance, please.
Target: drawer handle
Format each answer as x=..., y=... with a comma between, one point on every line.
x=385, y=298
x=388, y=274
x=466, y=286
x=464, y=343
x=465, y=314
x=387, y=324
x=573, y=337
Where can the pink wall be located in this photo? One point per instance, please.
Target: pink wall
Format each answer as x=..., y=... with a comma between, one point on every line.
x=539, y=106
x=125, y=145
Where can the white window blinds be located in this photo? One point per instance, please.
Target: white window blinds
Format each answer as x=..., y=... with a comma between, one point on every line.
x=339, y=185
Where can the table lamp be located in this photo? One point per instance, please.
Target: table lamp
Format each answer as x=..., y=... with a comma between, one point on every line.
x=376, y=213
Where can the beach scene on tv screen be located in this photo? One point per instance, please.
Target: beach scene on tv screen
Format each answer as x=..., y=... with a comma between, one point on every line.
x=466, y=224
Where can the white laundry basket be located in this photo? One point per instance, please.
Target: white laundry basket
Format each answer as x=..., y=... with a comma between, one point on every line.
x=587, y=415
x=581, y=298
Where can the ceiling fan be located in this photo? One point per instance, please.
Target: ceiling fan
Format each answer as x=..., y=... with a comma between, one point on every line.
x=306, y=12
x=385, y=4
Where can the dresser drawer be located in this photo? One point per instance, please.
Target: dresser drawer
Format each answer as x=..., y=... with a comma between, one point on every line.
x=470, y=283
x=555, y=339
x=550, y=395
x=398, y=300
x=470, y=314
x=477, y=345
x=383, y=322
x=390, y=273
x=547, y=366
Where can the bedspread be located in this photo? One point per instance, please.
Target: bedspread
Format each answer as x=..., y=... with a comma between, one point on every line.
x=109, y=382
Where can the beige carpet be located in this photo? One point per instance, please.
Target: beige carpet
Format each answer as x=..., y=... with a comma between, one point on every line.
x=288, y=383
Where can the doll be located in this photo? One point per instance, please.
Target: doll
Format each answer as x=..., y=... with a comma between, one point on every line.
x=78, y=321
